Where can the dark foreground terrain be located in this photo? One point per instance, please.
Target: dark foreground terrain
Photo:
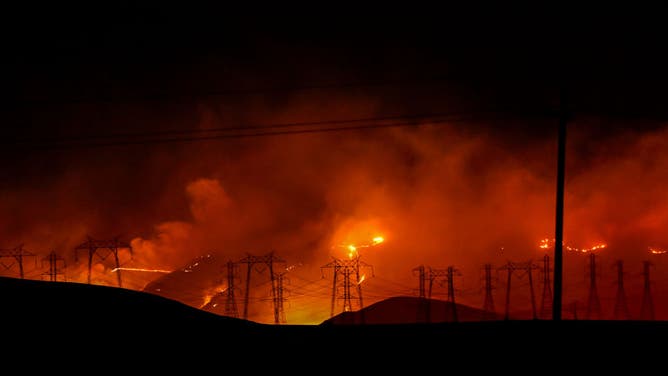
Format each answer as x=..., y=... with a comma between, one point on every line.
x=76, y=326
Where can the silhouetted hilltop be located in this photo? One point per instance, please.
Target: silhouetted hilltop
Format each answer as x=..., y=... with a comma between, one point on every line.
x=411, y=310
x=50, y=322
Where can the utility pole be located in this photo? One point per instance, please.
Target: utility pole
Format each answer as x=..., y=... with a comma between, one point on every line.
x=17, y=256
x=593, y=305
x=621, y=308
x=546, y=301
x=559, y=220
x=647, y=308
x=252, y=263
x=488, y=305
x=103, y=249
x=56, y=265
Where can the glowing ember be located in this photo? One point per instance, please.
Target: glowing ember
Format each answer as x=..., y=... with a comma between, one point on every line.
x=289, y=268
x=656, y=251
x=377, y=240
x=362, y=278
x=141, y=270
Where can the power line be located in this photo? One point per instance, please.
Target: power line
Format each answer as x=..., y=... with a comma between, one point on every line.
x=267, y=130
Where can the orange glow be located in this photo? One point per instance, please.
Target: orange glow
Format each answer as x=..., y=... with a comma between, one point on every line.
x=378, y=239
x=656, y=251
x=362, y=278
x=141, y=270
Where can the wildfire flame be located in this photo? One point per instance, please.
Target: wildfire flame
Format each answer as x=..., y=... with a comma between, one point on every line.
x=141, y=270
x=587, y=250
x=656, y=251
x=353, y=249
x=210, y=294
x=362, y=278
x=547, y=243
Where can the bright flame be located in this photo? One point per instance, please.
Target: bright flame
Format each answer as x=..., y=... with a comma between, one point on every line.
x=656, y=251
x=544, y=244
x=141, y=270
x=362, y=278
x=210, y=294
x=352, y=250
x=207, y=300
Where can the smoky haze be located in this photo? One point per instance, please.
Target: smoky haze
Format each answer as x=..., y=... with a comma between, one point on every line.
x=463, y=194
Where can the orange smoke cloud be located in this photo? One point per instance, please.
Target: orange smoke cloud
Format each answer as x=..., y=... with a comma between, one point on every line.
x=446, y=195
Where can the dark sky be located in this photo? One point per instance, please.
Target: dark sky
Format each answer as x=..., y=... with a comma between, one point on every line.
x=66, y=62
x=133, y=54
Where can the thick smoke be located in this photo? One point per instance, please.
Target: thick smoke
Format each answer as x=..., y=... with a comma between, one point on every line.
x=455, y=194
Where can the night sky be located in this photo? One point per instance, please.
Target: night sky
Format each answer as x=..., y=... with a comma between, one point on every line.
x=447, y=192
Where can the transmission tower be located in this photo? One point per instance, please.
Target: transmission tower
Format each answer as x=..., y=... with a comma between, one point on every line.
x=56, y=265
x=527, y=268
x=647, y=308
x=621, y=308
x=347, y=277
x=452, y=272
x=444, y=277
x=436, y=275
x=230, y=300
x=422, y=277
x=546, y=301
x=280, y=299
x=16, y=256
x=257, y=263
x=424, y=307
x=593, y=305
x=103, y=249
x=488, y=305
